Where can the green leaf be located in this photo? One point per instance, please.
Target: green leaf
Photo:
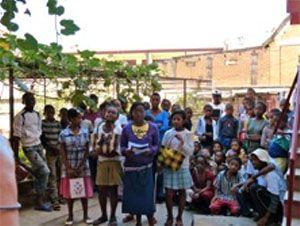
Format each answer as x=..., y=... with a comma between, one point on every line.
x=86, y=54
x=53, y=9
x=70, y=27
x=29, y=43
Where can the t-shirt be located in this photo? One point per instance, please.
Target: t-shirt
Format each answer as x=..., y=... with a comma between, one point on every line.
x=255, y=126
x=275, y=183
x=28, y=127
x=169, y=140
x=228, y=127
x=50, y=135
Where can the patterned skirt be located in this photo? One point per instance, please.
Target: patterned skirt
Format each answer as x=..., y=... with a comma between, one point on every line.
x=176, y=180
x=64, y=187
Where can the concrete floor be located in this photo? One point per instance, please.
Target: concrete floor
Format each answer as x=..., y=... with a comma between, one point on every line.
x=30, y=217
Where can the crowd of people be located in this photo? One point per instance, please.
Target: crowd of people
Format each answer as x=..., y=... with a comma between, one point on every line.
x=228, y=163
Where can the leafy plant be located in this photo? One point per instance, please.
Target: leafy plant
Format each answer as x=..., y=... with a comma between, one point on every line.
x=76, y=76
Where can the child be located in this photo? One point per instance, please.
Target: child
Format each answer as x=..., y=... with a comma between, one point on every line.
x=226, y=185
x=228, y=127
x=188, y=122
x=217, y=146
x=220, y=162
x=109, y=169
x=50, y=140
x=203, y=190
x=267, y=132
x=206, y=127
x=64, y=121
x=236, y=147
x=279, y=146
x=196, y=153
x=74, y=151
x=255, y=127
x=267, y=199
x=179, y=139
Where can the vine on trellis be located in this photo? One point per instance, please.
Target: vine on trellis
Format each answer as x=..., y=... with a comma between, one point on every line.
x=76, y=74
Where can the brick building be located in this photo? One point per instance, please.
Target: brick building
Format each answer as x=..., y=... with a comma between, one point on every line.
x=270, y=66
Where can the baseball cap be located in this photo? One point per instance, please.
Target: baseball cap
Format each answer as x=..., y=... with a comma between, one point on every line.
x=261, y=154
x=216, y=92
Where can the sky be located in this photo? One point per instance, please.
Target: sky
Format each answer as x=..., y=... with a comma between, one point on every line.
x=156, y=24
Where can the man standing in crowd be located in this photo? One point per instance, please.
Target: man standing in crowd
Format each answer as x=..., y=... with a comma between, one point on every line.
x=217, y=105
x=28, y=130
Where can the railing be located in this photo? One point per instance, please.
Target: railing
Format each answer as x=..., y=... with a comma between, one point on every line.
x=294, y=146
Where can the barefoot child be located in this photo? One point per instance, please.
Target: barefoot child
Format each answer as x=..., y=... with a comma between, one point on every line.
x=226, y=185
x=74, y=151
x=179, y=139
x=109, y=170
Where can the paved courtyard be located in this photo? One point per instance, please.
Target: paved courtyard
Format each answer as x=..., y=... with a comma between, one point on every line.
x=31, y=217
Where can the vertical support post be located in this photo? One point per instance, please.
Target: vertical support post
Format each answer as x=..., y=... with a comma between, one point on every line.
x=11, y=102
x=117, y=88
x=184, y=93
x=45, y=99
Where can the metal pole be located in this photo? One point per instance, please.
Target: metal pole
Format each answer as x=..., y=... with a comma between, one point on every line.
x=45, y=99
x=184, y=93
x=11, y=102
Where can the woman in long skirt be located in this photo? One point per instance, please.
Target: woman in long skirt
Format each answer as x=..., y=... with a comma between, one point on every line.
x=139, y=144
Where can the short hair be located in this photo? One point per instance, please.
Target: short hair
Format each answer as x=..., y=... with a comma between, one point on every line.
x=250, y=89
x=27, y=95
x=276, y=112
x=103, y=105
x=207, y=106
x=235, y=159
x=218, y=142
x=73, y=113
x=188, y=109
x=228, y=106
x=250, y=103
x=94, y=98
x=179, y=112
x=263, y=105
x=133, y=107
x=237, y=140
x=49, y=107
x=155, y=94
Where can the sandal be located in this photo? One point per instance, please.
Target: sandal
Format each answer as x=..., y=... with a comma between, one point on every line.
x=69, y=222
x=128, y=218
x=56, y=206
x=88, y=221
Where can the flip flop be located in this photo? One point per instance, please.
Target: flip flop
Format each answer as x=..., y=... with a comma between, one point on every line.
x=88, y=221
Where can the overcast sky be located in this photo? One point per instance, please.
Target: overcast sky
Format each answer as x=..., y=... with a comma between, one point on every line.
x=149, y=24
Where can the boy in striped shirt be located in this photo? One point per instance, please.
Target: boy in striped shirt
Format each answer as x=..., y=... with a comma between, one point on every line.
x=50, y=132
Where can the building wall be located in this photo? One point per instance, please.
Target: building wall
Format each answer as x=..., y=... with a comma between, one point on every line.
x=270, y=65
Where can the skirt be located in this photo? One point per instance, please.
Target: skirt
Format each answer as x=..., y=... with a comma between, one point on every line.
x=177, y=180
x=138, y=192
x=64, y=187
x=109, y=173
